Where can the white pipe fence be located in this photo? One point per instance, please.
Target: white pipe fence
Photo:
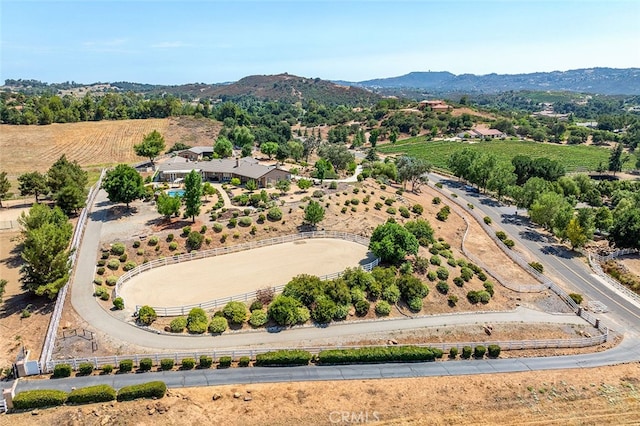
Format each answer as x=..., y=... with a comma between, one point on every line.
x=195, y=255
x=235, y=354
x=594, y=262
x=54, y=322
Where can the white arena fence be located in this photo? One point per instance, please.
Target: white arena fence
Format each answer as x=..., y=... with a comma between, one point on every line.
x=195, y=255
x=235, y=354
x=47, y=347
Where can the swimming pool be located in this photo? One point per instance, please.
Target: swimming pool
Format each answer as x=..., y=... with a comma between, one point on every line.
x=176, y=192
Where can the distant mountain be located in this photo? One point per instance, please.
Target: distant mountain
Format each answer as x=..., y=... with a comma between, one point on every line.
x=606, y=81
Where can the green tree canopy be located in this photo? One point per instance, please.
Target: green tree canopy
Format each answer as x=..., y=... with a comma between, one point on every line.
x=5, y=185
x=411, y=169
x=338, y=155
x=625, y=231
x=151, y=146
x=167, y=205
x=284, y=310
x=192, y=194
x=223, y=147
x=269, y=149
x=392, y=242
x=313, y=213
x=63, y=173
x=123, y=184
x=32, y=183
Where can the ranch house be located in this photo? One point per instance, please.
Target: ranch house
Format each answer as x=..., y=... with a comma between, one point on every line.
x=223, y=170
x=197, y=153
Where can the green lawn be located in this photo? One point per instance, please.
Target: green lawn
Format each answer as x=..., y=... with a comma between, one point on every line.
x=573, y=157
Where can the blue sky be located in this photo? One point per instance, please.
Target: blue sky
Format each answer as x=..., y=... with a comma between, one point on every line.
x=168, y=42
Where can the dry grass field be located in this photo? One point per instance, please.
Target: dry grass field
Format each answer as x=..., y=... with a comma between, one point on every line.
x=93, y=143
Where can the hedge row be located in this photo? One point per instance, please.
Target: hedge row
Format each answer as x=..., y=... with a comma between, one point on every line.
x=283, y=357
x=379, y=354
x=155, y=389
x=99, y=393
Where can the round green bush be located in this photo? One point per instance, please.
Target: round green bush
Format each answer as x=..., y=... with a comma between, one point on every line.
x=479, y=351
x=274, y=214
x=205, y=361
x=197, y=321
x=166, y=364
x=442, y=273
x=194, y=240
x=235, y=312
x=452, y=300
x=256, y=305
x=147, y=315
x=113, y=264
x=466, y=352
x=107, y=369
x=125, y=366
x=459, y=281
x=435, y=260
x=417, y=209
x=170, y=238
x=129, y=266
x=341, y=312
x=217, y=227
x=153, y=241
x=466, y=273
x=487, y=220
x=118, y=303
x=117, y=249
x=188, y=363
x=453, y=352
x=391, y=210
x=61, y=370
x=383, y=308
x=100, y=271
x=218, y=325
x=123, y=257
x=102, y=293
x=415, y=304
x=258, y=318
x=177, y=325
x=432, y=276
x=442, y=287
x=173, y=246
x=362, y=307
x=111, y=280
x=391, y=294
x=245, y=221
x=145, y=364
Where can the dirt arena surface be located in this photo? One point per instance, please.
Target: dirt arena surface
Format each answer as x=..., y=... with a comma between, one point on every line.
x=603, y=396
x=237, y=273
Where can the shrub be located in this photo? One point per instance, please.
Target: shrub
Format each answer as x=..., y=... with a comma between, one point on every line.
x=101, y=262
x=459, y=281
x=218, y=325
x=274, y=214
x=170, y=238
x=452, y=300
x=383, y=308
x=442, y=287
x=145, y=364
x=417, y=209
x=92, y=394
x=482, y=276
x=258, y=318
x=265, y=295
x=435, y=260
x=453, y=352
x=235, y=312
x=194, y=240
x=217, y=227
x=117, y=249
x=197, y=321
x=129, y=266
x=177, y=325
x=443, y=214
x=123, y=257
x=245, y=221
x=39, y=398
x=256, y=304
x=140, y=252
x=576, y=298
x=125, y=366
x=466, y=273
x=501, y=235
x=166, y=364
x=85, y=369
x=487, y=220
x=377, y=206
x=493, y=351
x=111, y=280
x=341, y=312
x=466, y=352
x=107, y=369
x=188, y=363
x=420, y=264
x=153, y=241
x=97, y=281
x=537, y=266
x=379, y=354
x=362, y=307
x=224, y=362
x=154, y=389
x=186, y=230
x=173, y=246
x=473, y=297
x=333, y=185
x=432, y=276
x=233, y=222
x=102, y=293
x=391, y=210
x=389, y=201
x=415, y=304
x=100, y=270
x=404, y=212
x=509, y=243
x=136, y=244
x=283, y=357
x=205, y=361
x=479, y=351
x=147, y=315
x=442, y=273
x=436, y=201
x=244, y=361
x=488, y=286
x=406, y=268
x=113, y=264
x=61, y=370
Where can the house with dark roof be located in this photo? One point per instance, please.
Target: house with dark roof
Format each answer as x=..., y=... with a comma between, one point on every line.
x=223, y=170
x=197, y=153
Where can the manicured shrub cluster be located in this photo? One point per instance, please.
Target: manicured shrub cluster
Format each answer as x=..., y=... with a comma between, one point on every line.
x=166, y=364
x=107, y=369
x=177, y=325
x=153, y=241
x=102, y=293
x=218, y=325
x=235, y=312
x=205, y=361
x=154, y=389
x=443, y=213
x=61, y=370
x=493, y=351
x=92, y=394
x=479, y=351
x=145, y=364
x=478, y=296
x=404, y=212
x=147, y=315
x=274, y=214
x=379, y=354
x=443, y=287
x=487, y=220
x=125, y=366
x=194, y=240
x=123, y=257
x=224, y=362
x=244, y=361
x=111, y=280
x=283, y=357
x=85, y=369
x=503, y=237
x=113, y=264
x=258, y=318
x=39, y=398
x=537, y=266
x=245, y=221
x=129, y=266
x=197, y=321
x=453, y=352
x=188, y=363
x=117, y=249
x=466, y=352
x=383, y=308
x=173, y=246
x=118, y=303
x=100, y=270
x=417, y=209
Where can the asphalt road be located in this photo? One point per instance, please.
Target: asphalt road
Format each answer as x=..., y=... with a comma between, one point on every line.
x=623, y=315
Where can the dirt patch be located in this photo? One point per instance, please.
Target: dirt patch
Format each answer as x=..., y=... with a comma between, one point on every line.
x=603, y=396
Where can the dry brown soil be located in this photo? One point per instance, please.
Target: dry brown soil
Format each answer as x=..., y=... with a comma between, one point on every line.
x=603, y=396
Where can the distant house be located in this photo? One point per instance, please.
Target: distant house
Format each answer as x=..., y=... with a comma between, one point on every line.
x=481, y=133
x=197, y=153
x=223, y=170
x=436, y=106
